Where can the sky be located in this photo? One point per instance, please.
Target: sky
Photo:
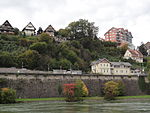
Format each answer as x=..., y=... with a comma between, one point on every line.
x=133, y=15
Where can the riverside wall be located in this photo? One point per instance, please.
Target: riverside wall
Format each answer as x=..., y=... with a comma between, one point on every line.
x=35, y=85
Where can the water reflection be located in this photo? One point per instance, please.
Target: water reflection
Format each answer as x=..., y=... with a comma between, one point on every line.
x=130, y=106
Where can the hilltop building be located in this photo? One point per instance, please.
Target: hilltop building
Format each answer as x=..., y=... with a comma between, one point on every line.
x=105, y=67
x=29, y=30
x=147, y=47
x=50, y=31
x=6, y=28
x=120, y=35
x=134, y=55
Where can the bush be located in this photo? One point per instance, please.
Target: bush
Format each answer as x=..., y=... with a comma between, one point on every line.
x=83, y=89
x=110, y=90
x=7, y=96
x=121, y=88
x=75, y=92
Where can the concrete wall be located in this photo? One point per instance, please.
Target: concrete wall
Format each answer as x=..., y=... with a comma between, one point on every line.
x=46, y=85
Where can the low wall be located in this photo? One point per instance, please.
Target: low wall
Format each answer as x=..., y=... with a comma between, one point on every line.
x=43, y=85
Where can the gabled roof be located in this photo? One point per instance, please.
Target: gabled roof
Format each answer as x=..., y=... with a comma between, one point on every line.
x=104, y=60
x=99, y=61
x=135, y=53
x=49, y=29
x=147, y=45
x=6, y=26
x=29, y=27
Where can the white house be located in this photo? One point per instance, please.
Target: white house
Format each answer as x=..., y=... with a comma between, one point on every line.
x=29, y=30
x=105, y=67
x=50, y=31
x=134, y=55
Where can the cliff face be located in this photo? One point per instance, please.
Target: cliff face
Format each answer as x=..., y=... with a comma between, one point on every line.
x=45, y=85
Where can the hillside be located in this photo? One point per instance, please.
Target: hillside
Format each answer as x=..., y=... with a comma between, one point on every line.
x=41, y=52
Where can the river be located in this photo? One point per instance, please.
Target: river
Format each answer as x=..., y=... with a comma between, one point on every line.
x=118, y=106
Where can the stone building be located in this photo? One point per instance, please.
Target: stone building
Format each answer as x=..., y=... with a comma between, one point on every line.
x=6, y=28
x=105, y=67
x=29, y=30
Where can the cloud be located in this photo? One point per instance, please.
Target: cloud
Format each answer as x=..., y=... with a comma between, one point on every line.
x=130, y=14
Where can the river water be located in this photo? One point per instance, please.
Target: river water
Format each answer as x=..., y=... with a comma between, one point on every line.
x=118, y=106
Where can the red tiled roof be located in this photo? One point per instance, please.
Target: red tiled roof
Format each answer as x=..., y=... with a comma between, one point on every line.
x=135, y=53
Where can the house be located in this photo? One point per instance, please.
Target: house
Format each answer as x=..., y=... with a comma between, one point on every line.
x=50, y=31
x=119, y=35
x=105, y=67
x=29, y=30
x=147, y=47
x=134, y=55
x=6, y=28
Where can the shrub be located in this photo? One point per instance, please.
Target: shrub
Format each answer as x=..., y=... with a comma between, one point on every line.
x=84, y=90
x=75, y=92
x=7, y=96
x=121, y=88
x=110, y=90
x=69, y=90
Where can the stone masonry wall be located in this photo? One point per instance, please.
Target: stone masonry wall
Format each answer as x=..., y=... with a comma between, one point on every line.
x=47, y=85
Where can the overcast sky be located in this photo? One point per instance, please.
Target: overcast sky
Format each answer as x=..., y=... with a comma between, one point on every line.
x=133, y=15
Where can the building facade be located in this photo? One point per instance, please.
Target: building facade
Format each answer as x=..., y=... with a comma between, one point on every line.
x=134, y=55
x=29, y=30
x=120, y=35
x=6, y=28
x=50, y=31
x=147, y=47
x=105, y=67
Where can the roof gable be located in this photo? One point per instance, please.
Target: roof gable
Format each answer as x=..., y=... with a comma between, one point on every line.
x=135, y=53
x=49, y=29
x=6, y=25
x=104, y=60
x=29, y=27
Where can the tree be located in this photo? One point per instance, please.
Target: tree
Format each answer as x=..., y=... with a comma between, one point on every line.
x=44, y=37
x=7, y=96
x=63, y=32
x=110, y=90
x=16, y=31
x=30, y=58
x=80, y=29
x=143, y=50
x=41, y=47
x=40, y=31
x=82, y=89
x=6, y=59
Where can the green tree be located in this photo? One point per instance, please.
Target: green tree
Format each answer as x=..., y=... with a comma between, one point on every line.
x=65, y=64
x=110, y=90
x=81, y=29
x=143, y=50
x=30, y=59
x=44, y=37
x=16, y=31
x=7, y=96
x=6, y=59
x=41, y=47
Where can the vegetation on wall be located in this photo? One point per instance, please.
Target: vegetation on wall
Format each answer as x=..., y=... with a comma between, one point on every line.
x=75, y=91
x=113, y=89
x=7, y=96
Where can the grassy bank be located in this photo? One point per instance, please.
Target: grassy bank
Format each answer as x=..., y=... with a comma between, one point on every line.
x=86, y=98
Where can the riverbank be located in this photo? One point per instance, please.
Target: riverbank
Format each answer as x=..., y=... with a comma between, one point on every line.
x=86, y=98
